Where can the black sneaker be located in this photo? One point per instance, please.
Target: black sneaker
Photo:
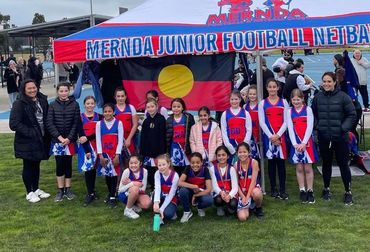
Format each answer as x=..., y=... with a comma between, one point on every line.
x=348, y=198
x=326, y=195
x=112, y=203
x=303, y=196
x=258, y=212
x=89, y=199
x=274, y=193
x=283, y=196
x=59, y=196
x=69, y=194
x=310, y=197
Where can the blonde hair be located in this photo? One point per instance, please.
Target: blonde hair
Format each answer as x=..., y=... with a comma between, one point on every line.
x=165, y=157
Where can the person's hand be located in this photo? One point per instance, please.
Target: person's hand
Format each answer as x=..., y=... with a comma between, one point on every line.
x=116, y=160
x=61, y=139
x=274, y=138
x=103, y=161
x=88, y=155
x=66, y=141
x=127, y=142
x=193, y=200
x=245, y=200
x=82, y=139
x=126, y=181
x=137, y=183
x=156, y=207
x=227, y=198
x=196, y=189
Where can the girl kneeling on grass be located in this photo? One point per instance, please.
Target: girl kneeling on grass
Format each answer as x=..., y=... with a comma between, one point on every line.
x=224, y=183
x=132, y=188
x=303, y=153
x=109, y=141
x=165, y=183
x=250, y=194
x=196, y=187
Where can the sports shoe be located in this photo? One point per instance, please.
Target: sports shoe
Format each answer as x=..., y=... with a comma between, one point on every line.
x=130, y=213
x=136, y=209
x=69, y=194
x=89, y=199
x=112, y=203
x=32, y=197
x=186, y=216
x=174, y=217
x=310, y=197
x=41, y=194
x=366, y=110
x=201, y=212
x=303, y=196
x=274, y=193
x=283, y=196
x=326, y=194
x=59, y=196
x=258, y=212
x=348, y=198
x=220, y=211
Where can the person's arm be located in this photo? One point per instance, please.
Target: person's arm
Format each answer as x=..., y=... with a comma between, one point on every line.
x=255, y=171
x=207, y=191
x=288, y=118
x=76, y=119
x=143, y=137
x=234, y=183
x=123, y=187
x=120, y=138
x=192, y=139
x=309, y=129
x=216, y=189
x=248, y=127
x=225, y=137
x=183, y=183
x=135, y=124
x=350, y=117
x=144, y=181
x=16, y=124
x=52, y=129
x=157, y=188
x=365, y=63
x=283, y=126
x=99, y=148
x=301, y=83
x=171, y=194
x=164, y=112
x=261, y=119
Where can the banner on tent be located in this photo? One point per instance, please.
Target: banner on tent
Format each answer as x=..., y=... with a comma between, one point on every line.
x=199, y=80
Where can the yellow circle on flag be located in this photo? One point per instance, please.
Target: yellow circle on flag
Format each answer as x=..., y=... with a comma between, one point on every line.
x=175, y=81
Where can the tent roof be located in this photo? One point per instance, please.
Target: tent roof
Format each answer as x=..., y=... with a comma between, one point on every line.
x=59, y=28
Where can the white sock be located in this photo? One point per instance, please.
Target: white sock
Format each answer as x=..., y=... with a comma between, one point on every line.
x=302, y=189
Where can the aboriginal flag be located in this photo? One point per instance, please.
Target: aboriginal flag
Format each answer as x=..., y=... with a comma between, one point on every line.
x=199, y=80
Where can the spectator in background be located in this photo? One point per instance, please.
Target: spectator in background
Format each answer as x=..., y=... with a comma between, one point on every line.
x=266, y=74
x=73, y=74
x=34, y=71
x=242, y=73
x=361, y=66
x=11, y=76
x=21, y=68
x=63, y=72
x=296, y=79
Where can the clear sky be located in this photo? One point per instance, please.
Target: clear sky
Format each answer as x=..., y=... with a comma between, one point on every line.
x=22, y=11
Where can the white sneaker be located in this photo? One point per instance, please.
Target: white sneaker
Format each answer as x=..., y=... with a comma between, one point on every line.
x=129, y=213
x=186, y=216
x=201, y=212
x=41, y=194
x=136, y=209
x=220, y=211
x=32, y=197
x=174, y=217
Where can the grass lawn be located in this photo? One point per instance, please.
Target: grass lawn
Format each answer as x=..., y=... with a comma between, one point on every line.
x=68, y=226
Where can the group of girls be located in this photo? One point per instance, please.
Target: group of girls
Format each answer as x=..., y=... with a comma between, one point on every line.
x=205, y=170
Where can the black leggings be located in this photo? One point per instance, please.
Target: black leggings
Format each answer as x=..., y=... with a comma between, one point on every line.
x=112, y=185
x=64, y=166
x=280, y=165
x=341, y=155
x=231, y=206
x=365, y=95
x=90, y=177
x=31, y=175
x=151, y=171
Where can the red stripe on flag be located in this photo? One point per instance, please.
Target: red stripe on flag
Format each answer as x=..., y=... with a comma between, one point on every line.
x=69, y=51
x=213, y=94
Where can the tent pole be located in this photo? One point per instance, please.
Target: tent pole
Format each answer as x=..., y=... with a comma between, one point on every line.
x=260, y=97
x=56, y=74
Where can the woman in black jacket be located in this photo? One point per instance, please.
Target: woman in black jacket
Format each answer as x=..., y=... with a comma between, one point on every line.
x=335, y=116
x=31, y=141
x=62, y=123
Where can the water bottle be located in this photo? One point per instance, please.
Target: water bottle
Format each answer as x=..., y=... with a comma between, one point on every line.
x=156, y=222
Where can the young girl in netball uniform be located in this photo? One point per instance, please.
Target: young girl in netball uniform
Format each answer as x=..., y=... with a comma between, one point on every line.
x=89, y=118
x=236, y=124
x=205, y=136
x=224, y=183
x=303, y=153
x=62, y=122
x=252, y=107
x=178, y=127
x=250, y=194
x=153, y=94
x=126, y=113
x=196, y=187
x=165, y=198
x=132, y=188
x=271, y=113
x=109, y=141
x=153, y=138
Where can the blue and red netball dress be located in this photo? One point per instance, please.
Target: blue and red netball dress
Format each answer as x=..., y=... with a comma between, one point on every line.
x=205, y=140
x=166, y=185
x=299, y=120
x=177, y=148
x=109, y=142
x=253, y=112
x=245, y=180
x=223, y=181
x=88, y=126
x=274, y=119
x=125, y=116
x=199, y=179
x=123, y=196
x=236, y=130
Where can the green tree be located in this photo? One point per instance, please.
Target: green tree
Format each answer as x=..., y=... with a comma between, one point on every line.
x=38, y=18
x=4, y=21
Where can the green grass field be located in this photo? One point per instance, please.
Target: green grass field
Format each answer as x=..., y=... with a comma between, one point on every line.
x=68, y=226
